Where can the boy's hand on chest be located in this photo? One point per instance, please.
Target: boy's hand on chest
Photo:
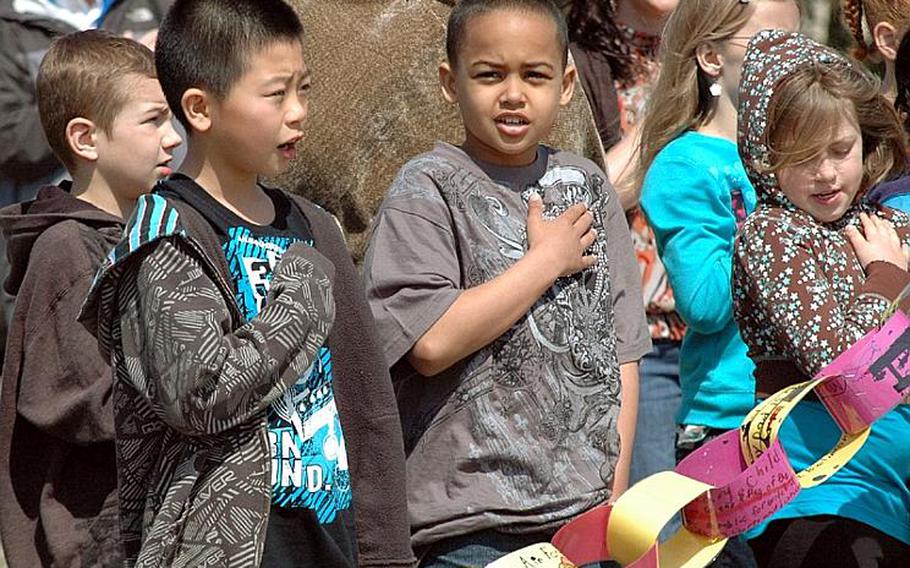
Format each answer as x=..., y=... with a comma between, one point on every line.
x=559, y=245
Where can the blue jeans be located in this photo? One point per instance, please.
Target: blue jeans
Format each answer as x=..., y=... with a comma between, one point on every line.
x=659, y=397
x=478, y=549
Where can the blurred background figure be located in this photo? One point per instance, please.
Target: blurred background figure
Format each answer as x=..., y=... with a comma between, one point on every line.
x=896, y=193
x=878, y=26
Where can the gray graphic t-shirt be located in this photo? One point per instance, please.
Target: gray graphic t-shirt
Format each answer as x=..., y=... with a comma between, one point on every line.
x=522, y=435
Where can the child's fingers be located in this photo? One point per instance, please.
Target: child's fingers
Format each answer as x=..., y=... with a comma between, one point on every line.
x=895, y=238
x=588, y=261
x=884, y=226
x=574, y=213
x=535, y=210
x=892, y=232
x=857, y=240
x=880, y=224
x=877, y=226
x=870, y=228
x=887, y=234
x=583, y=224
x=589, y=238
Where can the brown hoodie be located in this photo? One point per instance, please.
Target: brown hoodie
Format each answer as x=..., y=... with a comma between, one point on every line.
x=58, y=477
x=801, y=296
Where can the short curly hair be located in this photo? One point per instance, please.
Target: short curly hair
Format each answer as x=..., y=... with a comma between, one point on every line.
x=465, y=10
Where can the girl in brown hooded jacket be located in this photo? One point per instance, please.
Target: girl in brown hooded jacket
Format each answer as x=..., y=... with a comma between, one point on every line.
x=814, y=134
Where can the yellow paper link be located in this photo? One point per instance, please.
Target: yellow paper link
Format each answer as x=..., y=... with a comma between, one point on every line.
x=540, y=555
x=894, y=305
x=830, y=463
x=759, y=429
x=643, y=510
x=762, y=426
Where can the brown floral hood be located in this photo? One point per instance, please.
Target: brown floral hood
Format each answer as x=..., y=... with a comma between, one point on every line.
x=772, y=55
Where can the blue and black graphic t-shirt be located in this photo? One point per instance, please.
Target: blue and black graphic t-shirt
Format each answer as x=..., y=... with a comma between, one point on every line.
x=309, y=461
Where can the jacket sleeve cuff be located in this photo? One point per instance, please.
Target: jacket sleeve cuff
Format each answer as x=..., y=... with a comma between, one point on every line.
x=885, y=279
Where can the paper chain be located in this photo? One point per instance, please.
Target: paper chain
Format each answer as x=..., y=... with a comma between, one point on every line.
x=738, y=480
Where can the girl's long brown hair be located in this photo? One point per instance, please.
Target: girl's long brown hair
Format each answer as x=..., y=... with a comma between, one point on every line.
x=593, y=25
x=808, y=106
x=680, y=100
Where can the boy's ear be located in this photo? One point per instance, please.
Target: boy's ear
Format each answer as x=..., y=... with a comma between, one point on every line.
x=447, y=82
x=709, y=59
x=568, y=84
x=885, y=37
x=82, y=138
x=197, y=106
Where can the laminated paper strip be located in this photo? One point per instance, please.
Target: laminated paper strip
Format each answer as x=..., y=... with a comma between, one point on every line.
x=719, y=493
x=584, y=540
x=857, y=388
x=743, y=495
x=643, y=510
x=870, y=378
x=761, y=427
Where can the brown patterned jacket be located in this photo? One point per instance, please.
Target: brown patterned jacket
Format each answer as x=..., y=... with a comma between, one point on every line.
x=192, y=385
x=801, y=296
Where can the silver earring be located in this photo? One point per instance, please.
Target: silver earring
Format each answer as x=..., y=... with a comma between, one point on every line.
x=715, y=89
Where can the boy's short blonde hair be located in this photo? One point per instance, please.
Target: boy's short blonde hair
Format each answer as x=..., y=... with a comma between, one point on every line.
x=87, y=74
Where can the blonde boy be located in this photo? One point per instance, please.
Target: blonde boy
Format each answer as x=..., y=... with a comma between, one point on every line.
x=106, y=119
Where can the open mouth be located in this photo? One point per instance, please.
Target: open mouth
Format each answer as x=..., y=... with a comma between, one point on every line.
x=826, y=197
x=512, y=126
x=512, y=121
x=289, y=149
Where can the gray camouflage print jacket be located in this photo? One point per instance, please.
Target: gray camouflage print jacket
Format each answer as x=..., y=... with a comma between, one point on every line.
x=193, y=383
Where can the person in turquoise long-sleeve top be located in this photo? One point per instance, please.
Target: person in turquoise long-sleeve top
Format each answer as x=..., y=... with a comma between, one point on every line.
x=695, y=194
